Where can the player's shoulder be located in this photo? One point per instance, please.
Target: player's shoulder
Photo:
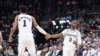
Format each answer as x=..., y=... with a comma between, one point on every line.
x=0, y=32
x=17, y=15
x=33, y=17
x=66, y=30
x=77, y=31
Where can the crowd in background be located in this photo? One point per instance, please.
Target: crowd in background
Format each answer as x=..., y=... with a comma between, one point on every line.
x=58, y=15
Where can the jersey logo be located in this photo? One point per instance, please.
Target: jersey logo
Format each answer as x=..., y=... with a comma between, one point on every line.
x=71, y=35
x=24, y=18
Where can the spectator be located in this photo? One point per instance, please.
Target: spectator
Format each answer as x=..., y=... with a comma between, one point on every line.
x=10, y=51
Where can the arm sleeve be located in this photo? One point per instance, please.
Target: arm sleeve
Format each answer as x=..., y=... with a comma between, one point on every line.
x=40, y=30
x=64, y=32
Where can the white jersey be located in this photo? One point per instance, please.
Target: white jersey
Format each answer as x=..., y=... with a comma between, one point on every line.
x=25, y=25
x=70, y=36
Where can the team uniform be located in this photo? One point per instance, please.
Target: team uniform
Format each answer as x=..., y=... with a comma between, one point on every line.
x=25, y=35
x=70, y=36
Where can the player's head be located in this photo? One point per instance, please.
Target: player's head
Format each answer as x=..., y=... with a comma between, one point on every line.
x=74, y=24
x=23, y=9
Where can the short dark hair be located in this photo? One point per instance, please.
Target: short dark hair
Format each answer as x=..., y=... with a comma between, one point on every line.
x=23, y=8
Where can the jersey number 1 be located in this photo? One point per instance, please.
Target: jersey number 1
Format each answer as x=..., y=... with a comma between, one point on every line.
x=24, y=23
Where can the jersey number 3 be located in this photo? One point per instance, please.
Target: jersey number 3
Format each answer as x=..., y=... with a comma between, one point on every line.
x=24, y=25
x=70, y=39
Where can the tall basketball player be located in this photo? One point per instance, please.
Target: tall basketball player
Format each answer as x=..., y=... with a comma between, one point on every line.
x=72, y=37
x=25, y=40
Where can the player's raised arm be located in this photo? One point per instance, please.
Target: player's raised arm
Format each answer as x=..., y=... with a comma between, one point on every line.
x=13, y=28
x=47, y=36
x=1, y=39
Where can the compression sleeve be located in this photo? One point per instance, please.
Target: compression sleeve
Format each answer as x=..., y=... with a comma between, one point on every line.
x=41, y=30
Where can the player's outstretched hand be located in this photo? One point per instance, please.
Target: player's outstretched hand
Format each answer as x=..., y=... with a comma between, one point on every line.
x=47, y=36
x=10, y=39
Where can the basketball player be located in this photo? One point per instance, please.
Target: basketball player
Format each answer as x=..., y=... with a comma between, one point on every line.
x=25, y=40
x=72, y=37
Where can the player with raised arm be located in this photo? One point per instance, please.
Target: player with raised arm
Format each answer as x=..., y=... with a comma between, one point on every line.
x=25, y=36
x=72, y=37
